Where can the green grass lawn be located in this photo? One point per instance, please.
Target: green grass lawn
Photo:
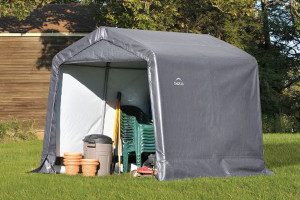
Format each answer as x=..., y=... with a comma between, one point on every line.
x=282, y=155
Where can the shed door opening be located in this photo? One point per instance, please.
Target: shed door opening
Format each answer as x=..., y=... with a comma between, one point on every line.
x=82, y=106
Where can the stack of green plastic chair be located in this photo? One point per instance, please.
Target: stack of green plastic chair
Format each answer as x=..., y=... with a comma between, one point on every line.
x=137, y=134
x=145, y=141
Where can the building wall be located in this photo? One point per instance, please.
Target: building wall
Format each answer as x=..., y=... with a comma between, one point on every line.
x=25, y=64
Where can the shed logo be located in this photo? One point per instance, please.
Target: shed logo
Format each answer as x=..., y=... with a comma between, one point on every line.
x=178, y=81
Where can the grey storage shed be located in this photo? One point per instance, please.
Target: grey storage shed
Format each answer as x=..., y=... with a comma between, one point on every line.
x=203, y=93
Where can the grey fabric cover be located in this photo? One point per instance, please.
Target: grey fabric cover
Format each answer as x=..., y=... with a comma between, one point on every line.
x=204, y=96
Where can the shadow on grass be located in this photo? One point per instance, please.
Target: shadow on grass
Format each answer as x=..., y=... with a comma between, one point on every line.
x=282, y=154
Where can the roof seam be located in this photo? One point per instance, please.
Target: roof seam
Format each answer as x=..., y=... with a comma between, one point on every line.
x=185, y=44
x=81, y=50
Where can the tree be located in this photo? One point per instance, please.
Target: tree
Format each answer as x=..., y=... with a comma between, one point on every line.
x=146, y=14
x=278, y=55
x=65, y=1
x=232, y=21
x=22, y=8
x=19, y=8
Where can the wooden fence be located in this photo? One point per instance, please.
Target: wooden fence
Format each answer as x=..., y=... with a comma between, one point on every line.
x=25, y=64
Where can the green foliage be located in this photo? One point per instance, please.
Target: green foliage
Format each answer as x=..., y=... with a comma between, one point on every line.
x=280, y=124
x=148, y=14
x=295, y=11
x=15, y=130
x=20, y=8
x=279, y=67
x=232, y=21
x=65, y=1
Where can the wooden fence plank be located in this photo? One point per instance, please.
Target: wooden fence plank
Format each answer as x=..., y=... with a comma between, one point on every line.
x=25, y=75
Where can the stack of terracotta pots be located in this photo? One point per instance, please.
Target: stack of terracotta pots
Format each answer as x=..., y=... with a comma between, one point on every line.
x=89, y=167
x=72, y=162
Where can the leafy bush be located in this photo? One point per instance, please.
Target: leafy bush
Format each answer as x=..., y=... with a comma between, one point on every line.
x=16, y=130
x=280, y=124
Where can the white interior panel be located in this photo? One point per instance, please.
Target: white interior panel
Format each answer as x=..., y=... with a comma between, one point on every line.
x=80, y=102
x=79, y=106
x=133, y=84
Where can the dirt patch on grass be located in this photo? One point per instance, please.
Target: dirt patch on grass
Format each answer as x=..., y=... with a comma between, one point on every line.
x=39, y=134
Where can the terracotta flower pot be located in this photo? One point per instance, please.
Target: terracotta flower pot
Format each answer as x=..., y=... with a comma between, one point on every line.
x=89, y=160
x=73, y=157
x=67, y=161
x=73, y=154
x=89, y=167
x=72, y=168
x=72, y=162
